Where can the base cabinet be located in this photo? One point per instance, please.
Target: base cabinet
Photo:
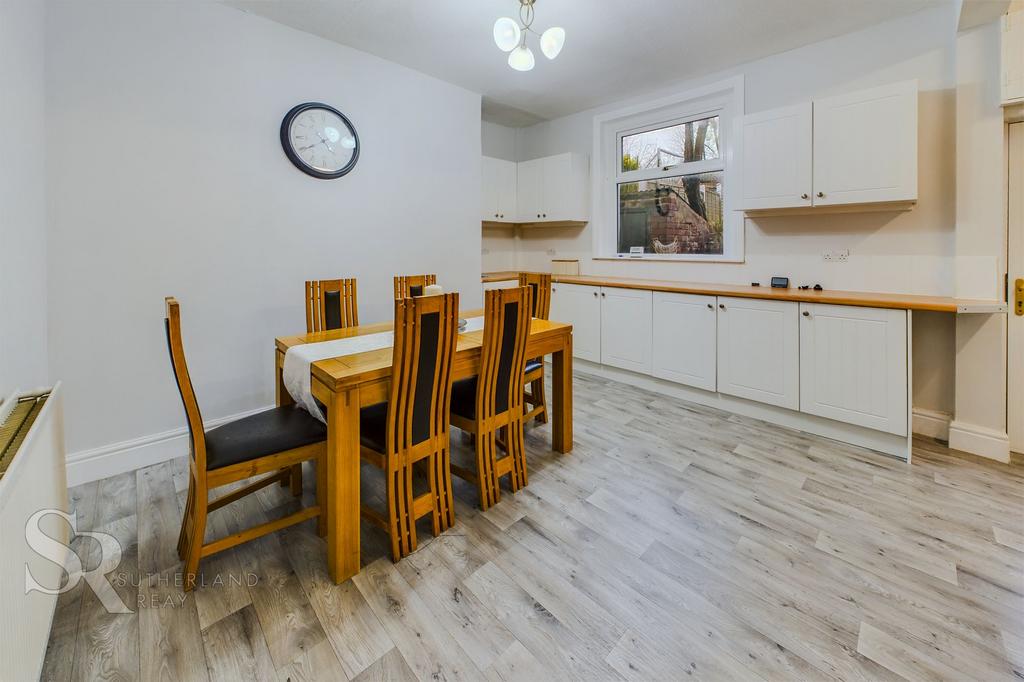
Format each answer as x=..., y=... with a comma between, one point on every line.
x=759, y=350
x=580, y=306
x=853, y=365
x=626, y=329
x=684, y=348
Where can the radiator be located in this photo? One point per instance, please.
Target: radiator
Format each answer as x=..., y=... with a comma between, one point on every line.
x=32, y=477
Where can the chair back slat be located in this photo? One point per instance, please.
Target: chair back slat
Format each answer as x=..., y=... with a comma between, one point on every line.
x=194, y=419
x=407, y=286
x=331, y=304
x=507, y=314
x=426, y=329
x=540, y=283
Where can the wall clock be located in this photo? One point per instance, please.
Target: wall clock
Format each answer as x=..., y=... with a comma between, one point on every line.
x=319, y=140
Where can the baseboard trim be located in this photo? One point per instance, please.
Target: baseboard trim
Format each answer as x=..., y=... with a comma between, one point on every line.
x=932, y=423
x=886, y=443
x=979, y=440
x=93, y=464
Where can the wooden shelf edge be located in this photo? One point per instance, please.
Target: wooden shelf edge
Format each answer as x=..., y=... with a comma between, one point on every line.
x=546, y=223
x=882, y=206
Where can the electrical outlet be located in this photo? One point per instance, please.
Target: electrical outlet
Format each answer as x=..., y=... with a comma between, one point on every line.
x=841, y=256
x=827, y=256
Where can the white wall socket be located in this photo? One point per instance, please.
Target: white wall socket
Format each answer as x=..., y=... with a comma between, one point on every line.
x=837, y=256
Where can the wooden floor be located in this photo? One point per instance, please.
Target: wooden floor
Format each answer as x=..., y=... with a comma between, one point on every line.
x=675, y=542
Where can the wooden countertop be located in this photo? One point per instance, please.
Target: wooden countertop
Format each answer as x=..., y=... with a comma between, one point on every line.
x=500, y=276
x=944, y=304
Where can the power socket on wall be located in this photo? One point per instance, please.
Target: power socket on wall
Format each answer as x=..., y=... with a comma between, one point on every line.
x=837, y=256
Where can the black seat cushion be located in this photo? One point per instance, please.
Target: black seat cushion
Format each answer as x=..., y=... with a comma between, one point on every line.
x=464, y=397
x=262, y=434
x=373, y=426
x=534, y=365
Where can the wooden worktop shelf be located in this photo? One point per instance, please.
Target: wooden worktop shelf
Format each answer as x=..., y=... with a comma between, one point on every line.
x=944, y=304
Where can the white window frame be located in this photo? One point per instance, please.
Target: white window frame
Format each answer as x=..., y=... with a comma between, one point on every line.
x=723, y=99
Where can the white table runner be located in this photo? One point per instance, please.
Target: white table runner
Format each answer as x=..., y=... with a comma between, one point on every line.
x=297, y=360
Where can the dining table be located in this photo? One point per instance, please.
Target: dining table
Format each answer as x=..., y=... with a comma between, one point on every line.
x=349, y=382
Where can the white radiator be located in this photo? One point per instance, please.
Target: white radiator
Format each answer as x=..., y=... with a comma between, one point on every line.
x=32, y=477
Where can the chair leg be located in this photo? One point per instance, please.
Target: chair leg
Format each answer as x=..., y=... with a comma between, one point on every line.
x=537, y=393
x=186, y=520
x=296, y=480
x=435, y=493
x=396, y=513
x=195, y=544
x=444, y=475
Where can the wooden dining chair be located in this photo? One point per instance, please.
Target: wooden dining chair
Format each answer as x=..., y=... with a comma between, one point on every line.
x=407, y=286
x=540, y=285
x=492, y=402
x=269, y=442
x=331, y=304
x=412, y=426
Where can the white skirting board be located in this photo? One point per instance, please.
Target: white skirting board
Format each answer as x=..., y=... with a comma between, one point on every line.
x=979, y=441
x=932, y=423
x=886, y=443
x=108, y=460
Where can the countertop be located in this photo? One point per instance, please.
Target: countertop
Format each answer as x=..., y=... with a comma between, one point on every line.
x=943, y=304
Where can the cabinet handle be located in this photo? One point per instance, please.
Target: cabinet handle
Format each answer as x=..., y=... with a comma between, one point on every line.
x=602, y=294
x=821, y=194
x=545, y=215
x=595, y=294
x=806, y=314
x=805, y=195
x=710, y=307
x=538, y=215
x=722, y=306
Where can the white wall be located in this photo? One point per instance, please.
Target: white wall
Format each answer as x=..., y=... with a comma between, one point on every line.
x=909, y=252
x=22, y=201
x=166, y=176
x=498, y=141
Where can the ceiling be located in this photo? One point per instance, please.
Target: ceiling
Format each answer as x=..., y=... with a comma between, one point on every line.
x=612, y=49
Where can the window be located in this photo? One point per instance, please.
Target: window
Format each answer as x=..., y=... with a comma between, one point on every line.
x=665, y=181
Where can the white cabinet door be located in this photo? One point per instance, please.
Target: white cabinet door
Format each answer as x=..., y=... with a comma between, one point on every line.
x=489, y=183
x=530, y=185
x=626, y=328
x=580, y=306
x=1013, y=56
x=684, y=339
x=776, y=158
x=507, y=183
x=865, y=146
x=557, y=187
x=759, y=350
x=853, y=365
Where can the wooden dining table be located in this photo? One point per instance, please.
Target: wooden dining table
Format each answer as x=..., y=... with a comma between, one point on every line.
x=345, y=384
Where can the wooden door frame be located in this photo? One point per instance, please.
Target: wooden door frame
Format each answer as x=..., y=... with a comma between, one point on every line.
x=1015, y=269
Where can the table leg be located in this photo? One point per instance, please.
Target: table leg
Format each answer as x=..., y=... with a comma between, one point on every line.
x=561, y=384
x=343, y=485
x=281, y=393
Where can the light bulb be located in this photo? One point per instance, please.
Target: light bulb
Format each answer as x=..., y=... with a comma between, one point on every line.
x=506, y=34
x=551, y=41
x=521, y=58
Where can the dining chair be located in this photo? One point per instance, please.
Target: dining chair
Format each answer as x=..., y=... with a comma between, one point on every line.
x=269, y=442
x=331, y=304
x=412, y=425
x=540, y=284
x=407, y=286
x=492, y=402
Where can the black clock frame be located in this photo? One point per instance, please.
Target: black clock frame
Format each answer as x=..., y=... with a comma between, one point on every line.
x=299, y=163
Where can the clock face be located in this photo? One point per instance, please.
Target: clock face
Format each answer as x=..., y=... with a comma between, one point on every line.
x=319, y=140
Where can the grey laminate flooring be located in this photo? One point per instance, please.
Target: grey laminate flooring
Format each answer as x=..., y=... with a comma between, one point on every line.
x=675, y=542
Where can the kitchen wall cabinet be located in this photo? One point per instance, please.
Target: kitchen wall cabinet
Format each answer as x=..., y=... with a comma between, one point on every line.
x=759, y=350
x=580, y=306
x=1012, y=63
x=858, y=148
x=626, y=326
x=554, y=189
x=865, y=146
x=853, y=365
x=776, y=158
x=684, y=339
x=498, y=184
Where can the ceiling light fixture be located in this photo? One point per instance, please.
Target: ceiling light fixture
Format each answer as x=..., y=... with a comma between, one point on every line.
x=510, y=37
